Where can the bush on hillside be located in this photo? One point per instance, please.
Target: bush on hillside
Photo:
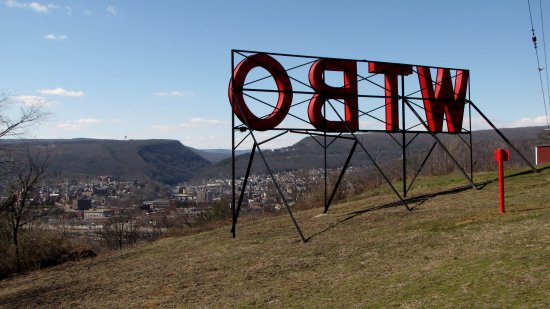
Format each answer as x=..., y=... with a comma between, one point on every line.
x=40, y=248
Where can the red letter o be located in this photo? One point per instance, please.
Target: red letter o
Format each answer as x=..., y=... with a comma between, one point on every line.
x=284, y=87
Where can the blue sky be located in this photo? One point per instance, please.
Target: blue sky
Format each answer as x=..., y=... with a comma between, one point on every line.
x=160, y=69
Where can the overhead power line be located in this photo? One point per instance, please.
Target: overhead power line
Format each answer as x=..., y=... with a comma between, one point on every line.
x=539, y=69
x=545, y=61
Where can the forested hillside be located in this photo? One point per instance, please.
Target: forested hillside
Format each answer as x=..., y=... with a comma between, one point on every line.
x=165, y=161
x=308, y=153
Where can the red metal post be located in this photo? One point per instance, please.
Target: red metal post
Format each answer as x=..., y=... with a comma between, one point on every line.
x=501, y=184
x=501, y=155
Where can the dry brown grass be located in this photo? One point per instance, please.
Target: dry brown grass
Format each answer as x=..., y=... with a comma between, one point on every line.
x=452, y=250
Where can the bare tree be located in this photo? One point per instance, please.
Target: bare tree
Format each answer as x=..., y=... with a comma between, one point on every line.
x=120, y=229
x=21, y=203
x=16, y=117
x=20, y=171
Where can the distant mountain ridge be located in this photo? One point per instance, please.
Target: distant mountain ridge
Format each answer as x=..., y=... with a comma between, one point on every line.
x=165, y=161
x=215, y=155
x=170, y=162
x=308, y=154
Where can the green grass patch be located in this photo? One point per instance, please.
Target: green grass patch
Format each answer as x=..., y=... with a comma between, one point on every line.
x=452, y=250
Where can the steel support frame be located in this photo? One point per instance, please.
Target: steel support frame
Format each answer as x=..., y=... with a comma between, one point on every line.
x=405, y=105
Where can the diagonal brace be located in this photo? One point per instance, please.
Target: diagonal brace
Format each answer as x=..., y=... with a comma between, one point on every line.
x=245, y=182
x=438, y=141
x=340, y=177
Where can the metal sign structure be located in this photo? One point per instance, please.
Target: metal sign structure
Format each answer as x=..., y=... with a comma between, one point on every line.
x=275, y=94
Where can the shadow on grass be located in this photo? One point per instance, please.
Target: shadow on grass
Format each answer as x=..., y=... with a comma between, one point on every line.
x=419, y=200
x=31, y=297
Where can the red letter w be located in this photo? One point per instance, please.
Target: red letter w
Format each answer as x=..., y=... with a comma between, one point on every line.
x=444, y=100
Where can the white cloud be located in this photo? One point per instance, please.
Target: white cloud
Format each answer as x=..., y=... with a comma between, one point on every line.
x=69, y=126
x=32, y=100
x=79, y=124
x=61, y=92
x=191, y=123
x=38, y=7
x=207, y=141
x=530, y=122
x=175, y=93
x=479, y=123
x=87, y=12
x=53, y=36
x=182, y=93
x=35, y=6
x=371, y=124
x=89, y=121
x=68, y=10
x=279, y=142
x=111, y=10
x=201, y=122
x=224, y=141
x=162, y=128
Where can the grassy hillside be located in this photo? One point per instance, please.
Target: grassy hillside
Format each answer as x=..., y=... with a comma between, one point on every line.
x=453, y=250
